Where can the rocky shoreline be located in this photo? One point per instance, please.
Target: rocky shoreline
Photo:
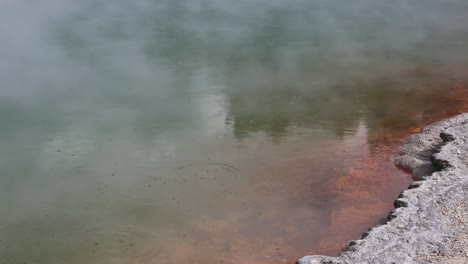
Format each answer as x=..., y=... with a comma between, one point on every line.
x=430, y=220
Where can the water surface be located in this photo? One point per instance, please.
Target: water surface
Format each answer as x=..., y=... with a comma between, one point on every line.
x=212, y=131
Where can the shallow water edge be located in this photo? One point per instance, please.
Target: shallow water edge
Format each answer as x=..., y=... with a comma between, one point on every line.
x=425, y=226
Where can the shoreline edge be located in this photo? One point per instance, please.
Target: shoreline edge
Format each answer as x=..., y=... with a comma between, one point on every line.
x=430, y=220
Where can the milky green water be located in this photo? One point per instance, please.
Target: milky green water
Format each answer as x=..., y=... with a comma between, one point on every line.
x=205, y=131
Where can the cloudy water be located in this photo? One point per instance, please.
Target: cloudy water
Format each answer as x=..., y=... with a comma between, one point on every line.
x=213, y=131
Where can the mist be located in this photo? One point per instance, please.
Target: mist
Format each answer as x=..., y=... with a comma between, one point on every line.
x=217, y=67
x=120, y=93
x=67, y=45
x=89, y=49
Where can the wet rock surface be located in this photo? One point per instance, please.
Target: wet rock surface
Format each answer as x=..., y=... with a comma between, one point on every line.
x=430, y=222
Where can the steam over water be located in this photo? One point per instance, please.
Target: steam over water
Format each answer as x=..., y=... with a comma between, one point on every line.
x=208, y=131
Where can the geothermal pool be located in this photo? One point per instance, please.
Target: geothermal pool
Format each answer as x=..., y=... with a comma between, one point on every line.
x=213, y=131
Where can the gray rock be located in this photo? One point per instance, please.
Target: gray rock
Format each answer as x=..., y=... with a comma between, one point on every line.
x=430, y=222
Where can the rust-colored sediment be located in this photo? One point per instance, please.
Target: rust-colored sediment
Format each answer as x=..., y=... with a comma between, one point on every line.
x=364, y=181
x=357, y=183
x=361, y=206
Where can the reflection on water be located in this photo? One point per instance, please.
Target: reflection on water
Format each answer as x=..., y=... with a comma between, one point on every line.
x=210, y=131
